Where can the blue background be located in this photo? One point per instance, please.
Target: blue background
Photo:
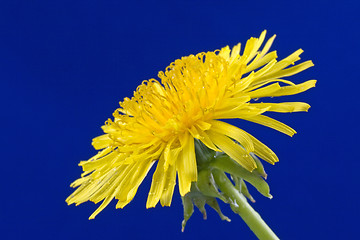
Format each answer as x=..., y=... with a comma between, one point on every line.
x=65, y=65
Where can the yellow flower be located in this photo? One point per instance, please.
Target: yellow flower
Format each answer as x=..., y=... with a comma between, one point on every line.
x=160, y=122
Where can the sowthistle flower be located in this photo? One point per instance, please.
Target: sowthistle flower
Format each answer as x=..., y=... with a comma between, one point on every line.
x=175, y=122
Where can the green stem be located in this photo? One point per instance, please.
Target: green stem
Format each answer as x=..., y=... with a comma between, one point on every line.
x=242, y=207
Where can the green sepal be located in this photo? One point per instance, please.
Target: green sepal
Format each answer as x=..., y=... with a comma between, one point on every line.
x=188, y=210
x=226, y=164
x=241, y=186
x=259, y=166
x=215, y=205
x=245, y=191
x=197, y=198
x=203, y=155
x=200, y=202
x=207, y=186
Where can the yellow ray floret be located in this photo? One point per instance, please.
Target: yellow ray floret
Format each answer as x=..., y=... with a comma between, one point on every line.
x=160, y=122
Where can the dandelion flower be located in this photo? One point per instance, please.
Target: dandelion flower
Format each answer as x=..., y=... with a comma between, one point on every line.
x=163, y=120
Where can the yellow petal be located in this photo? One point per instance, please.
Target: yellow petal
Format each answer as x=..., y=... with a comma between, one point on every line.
x=262, y=61
x=259, y=84
x=291, y=59
x=205, y=139
x=232, y=149
x=152, y=152
x=267, y=45
x=121, y=175
x=235, y=52
x=157, y=184
x=91, y=187
x=251, y=47
x=167, y=152
x=101, y=142
x=131, y=188
x=248, y=50
x=194, y=132
x=291, y=90
x=233, y=132
x=79, y=181
x=288, y=71
x=272, y=123
x=265, y=91
x=186, y=164
x=263, y=151
x=203, y=125
x=110, y=193
x=225, y=52
x=283, y=107
x=169, y=184
x=243, y=112
x=172, y=157
x=91, y=165
x=101, y=207
x=231, y=103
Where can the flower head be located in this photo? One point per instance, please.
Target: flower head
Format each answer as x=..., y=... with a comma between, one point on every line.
x=160, y=122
